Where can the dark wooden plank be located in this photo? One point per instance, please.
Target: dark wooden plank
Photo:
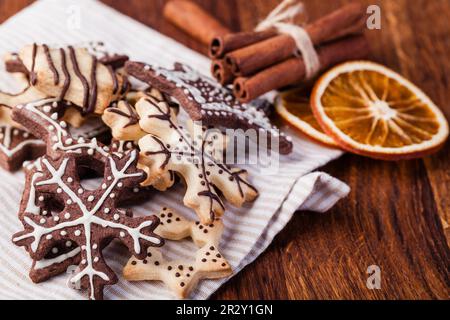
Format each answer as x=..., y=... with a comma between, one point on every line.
x=392, y=216
x=8, y=8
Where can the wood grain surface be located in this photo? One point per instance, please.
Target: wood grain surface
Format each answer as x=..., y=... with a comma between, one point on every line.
x=397, y=214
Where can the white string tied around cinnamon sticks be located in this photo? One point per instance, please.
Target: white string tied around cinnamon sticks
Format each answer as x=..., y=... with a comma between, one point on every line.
x=282, y=19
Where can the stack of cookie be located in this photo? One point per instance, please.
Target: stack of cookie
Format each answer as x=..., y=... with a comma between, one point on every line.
x=58, y=121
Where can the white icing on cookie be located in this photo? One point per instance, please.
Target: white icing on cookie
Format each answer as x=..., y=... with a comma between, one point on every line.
x=88, y=217
x=5, y=145
x=62, y=134
x=44, y=263
x=210, y=92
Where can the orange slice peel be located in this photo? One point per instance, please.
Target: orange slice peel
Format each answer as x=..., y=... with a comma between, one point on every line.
x=373, y=111
x=294, y=108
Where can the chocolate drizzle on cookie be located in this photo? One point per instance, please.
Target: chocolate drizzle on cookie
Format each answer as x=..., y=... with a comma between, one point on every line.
x=86, y=71
x=66, y=74
x=51, y=65
x=114, y=79
x=125, y=85
x=33, y=79
x=191, y=154
x=131, y=115
x=81, y=77
x=163, y=150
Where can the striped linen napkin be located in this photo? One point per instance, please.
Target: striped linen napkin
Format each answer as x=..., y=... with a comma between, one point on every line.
x=248, y=230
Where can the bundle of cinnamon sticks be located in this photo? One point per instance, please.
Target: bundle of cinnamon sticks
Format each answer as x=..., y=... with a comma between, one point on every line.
x=258, y=62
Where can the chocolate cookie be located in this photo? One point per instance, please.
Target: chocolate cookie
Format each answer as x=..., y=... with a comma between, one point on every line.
x=91, y=156
x=13, y=64
x=43, y=119
x=89, y=218
x=18, y=146
x=206, y=100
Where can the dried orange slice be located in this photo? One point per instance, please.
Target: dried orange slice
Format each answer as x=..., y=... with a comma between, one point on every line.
x=294, y=108
x=371, y=110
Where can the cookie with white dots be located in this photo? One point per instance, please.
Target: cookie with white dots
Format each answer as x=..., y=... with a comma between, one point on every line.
x=204, y=99
x=16, y=143
x=89, y=218
x=65, y=253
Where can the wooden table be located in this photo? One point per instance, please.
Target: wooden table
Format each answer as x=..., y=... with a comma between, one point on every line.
x=395, y=213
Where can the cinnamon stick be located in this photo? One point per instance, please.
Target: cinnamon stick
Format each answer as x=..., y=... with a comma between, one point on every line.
x=195, y=21
x=253, y=58
x=250, y=59
x=293, y=70
x=221, y=72
x=223, y=44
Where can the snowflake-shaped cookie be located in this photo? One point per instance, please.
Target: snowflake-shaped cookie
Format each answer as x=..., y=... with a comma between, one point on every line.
x=44, y=120
x=182, y=276
x=17, y=146
x=195, y=154
x=80, y=143
x=89, y=218
x=36, y=202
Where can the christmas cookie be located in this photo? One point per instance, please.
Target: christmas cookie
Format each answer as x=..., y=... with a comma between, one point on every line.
x=206, y=100
x=13, y=64
x=73, y=74
x=182, y=276
x=43, y=117
x=17, y=144
x=123, y=119
x=89, y=218
x=34, y=201
x=194, y=153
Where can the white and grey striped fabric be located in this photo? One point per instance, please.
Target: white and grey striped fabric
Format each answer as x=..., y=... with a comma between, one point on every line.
x=248, y=230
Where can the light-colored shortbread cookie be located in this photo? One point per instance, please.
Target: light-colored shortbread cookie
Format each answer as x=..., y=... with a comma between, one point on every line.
x=195, y=153
x=73, y=74
x=182, y=276
x=10, y=100
x=28, y=94
x=123, y=121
